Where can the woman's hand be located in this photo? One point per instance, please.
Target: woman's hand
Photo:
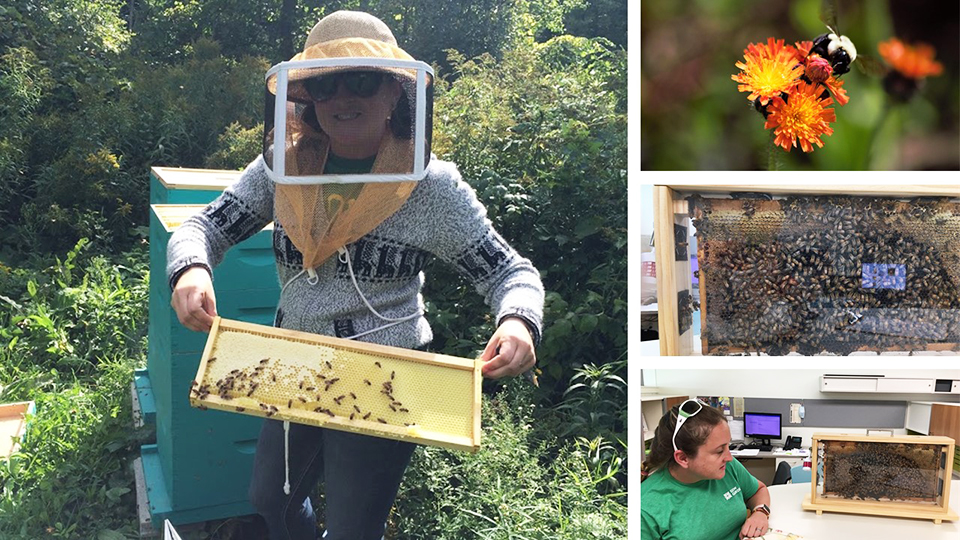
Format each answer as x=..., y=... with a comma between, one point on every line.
x=755, y=526
x=193, y=299
x=510, y=351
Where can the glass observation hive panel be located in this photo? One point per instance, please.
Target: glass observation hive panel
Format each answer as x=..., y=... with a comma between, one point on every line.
x=828, y=273
x=340, y=384
x=882, y=471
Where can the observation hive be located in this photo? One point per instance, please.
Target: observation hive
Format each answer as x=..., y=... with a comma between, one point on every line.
x=905, y=476
x=809, y=269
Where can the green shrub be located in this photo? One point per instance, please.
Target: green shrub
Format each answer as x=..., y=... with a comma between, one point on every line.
x=84, y=172
x=595, y=404
x=70, y=338
x=541, y=136
x=236, y=147
x=522, y=483
x=76, y=315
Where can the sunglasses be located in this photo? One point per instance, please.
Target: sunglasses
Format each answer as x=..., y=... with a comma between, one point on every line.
x=362, y=84
x=683, y=415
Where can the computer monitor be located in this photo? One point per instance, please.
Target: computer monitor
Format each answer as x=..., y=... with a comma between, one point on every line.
x=764, y=426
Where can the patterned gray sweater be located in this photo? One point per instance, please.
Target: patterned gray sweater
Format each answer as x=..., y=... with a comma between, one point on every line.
x=442, y=218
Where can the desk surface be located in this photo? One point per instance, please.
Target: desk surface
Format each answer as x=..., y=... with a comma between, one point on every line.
x=788, y=516
x=803, y=452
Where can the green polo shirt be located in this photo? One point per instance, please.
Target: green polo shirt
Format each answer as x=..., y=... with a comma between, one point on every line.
x=704, y=510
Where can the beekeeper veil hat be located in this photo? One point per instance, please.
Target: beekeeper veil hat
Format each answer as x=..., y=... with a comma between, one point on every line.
x=349, y=57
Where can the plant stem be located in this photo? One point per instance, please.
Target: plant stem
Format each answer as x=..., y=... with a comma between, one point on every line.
x=884, y=113
x=773, y=163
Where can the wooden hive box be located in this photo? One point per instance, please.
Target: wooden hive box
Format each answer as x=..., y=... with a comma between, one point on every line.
x=174, y=185
x=200, y=466
x=905, y=476
x=340, y=384
x=13, y=426
x=809, y=269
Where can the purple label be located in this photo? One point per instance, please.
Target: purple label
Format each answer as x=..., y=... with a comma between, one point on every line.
x=884, y=276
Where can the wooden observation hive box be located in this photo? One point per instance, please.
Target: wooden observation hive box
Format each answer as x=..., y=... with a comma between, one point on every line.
x=882, y=476
x=340, y=384
x=809, y=269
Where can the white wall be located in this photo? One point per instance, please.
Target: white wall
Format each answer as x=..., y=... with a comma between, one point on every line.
x=783, y=383
x=786, y=384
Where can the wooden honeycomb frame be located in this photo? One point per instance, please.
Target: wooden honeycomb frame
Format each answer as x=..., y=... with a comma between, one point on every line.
x=938, y=512
x=341, y=384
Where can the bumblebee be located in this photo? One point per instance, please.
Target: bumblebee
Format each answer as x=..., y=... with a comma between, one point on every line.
x=837, y=49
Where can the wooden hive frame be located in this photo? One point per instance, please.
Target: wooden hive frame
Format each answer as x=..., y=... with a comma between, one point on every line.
x=280, y=398
x=671, y=211
x=938, y=512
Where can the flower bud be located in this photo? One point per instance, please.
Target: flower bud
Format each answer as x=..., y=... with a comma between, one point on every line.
x=818, y=69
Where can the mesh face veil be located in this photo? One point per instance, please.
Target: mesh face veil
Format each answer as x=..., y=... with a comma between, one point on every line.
x=347, y=133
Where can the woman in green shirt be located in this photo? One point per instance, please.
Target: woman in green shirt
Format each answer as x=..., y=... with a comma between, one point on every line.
x=692, y=488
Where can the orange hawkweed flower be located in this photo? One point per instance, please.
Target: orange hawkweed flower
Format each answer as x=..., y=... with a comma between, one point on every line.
x=803, y=117
x=835, y=86
x=914, y=62
x=770, y=69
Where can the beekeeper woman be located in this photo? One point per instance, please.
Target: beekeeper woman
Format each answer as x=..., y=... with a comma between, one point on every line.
x=691, y=488
x=359, y=205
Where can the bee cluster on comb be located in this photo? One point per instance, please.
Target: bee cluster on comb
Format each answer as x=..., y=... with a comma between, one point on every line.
x=880, y=471
x=317, y=391
x=834, y=274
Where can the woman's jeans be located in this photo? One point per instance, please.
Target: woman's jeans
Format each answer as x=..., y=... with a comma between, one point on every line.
x=361, y=473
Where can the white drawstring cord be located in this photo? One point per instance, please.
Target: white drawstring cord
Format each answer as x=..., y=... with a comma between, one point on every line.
x=312, y=279
x=344, y=258
x=286, y=456
x=286, y=423
x=289, y=281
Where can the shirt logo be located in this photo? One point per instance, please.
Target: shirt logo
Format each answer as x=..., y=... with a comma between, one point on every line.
x=728, y=495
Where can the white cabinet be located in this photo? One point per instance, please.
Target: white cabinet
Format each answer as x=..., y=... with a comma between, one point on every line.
x=905, y=386
x=852, y=384
x=888, y=385
x=918, y=417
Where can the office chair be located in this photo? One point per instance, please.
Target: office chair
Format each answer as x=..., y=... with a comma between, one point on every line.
x=783, y=474
x=799, y=474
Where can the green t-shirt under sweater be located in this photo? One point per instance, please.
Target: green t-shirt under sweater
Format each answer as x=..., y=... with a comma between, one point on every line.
x=340, y=196
x=704, y=510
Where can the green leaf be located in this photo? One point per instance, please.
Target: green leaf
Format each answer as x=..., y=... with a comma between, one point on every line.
x=114, y=495
x=32, y=288
x=562, y=328
x=587, y=323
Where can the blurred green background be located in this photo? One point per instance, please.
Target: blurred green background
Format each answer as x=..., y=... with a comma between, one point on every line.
x=694, y=118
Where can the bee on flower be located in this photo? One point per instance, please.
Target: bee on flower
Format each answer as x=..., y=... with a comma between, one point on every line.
x=792, y=87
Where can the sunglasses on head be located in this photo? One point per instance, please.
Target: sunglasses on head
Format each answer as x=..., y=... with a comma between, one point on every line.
x=362, y=84
x=683, y=413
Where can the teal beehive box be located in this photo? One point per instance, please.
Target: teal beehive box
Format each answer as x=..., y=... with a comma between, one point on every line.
x=199, y=469
x=171, y=185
